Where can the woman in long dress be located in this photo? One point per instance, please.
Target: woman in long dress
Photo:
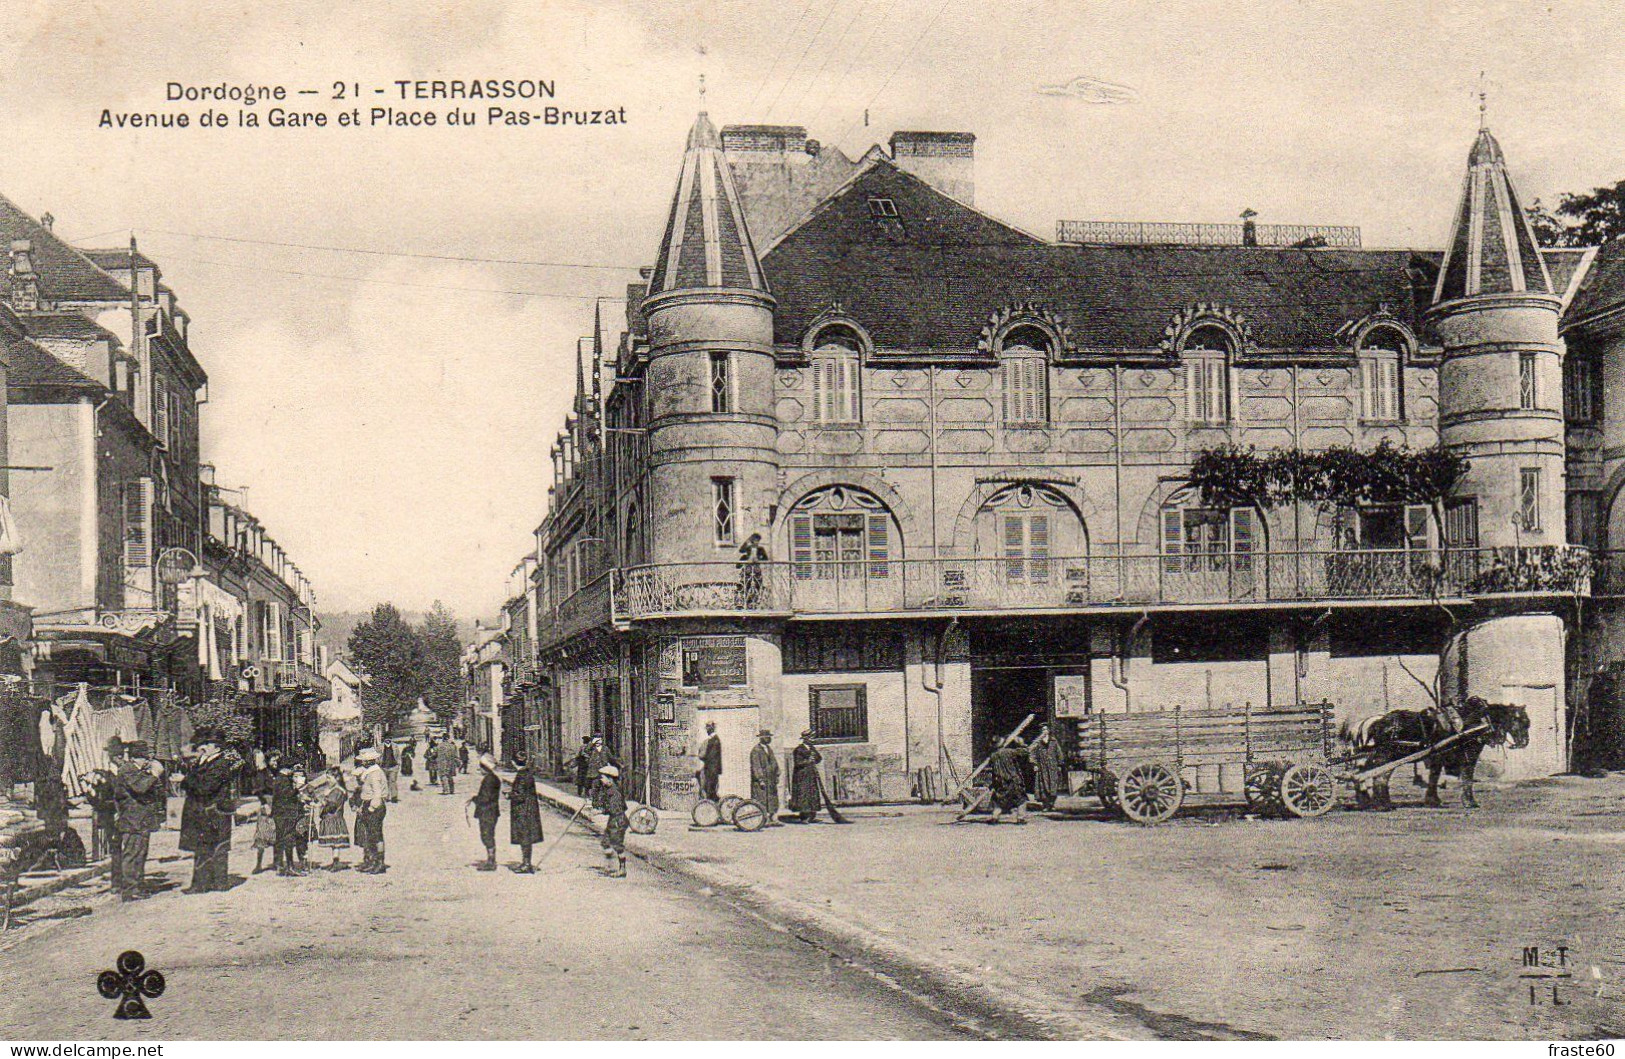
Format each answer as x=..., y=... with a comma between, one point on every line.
x=330, y=791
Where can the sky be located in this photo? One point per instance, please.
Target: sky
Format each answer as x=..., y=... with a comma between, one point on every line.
x=390, y=415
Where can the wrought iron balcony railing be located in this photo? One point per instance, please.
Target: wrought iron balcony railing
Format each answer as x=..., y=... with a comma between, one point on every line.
x=859, y=586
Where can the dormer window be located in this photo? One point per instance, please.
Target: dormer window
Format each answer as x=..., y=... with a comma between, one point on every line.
x=836, y=375
x=1207, y=352
x=1024, y=366
x=882, y=209
x=1382, y=392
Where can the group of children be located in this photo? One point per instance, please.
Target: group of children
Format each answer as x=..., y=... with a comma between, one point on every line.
x=297, y=807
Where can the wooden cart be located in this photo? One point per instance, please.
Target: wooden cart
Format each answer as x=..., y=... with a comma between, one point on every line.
x=1144, y=763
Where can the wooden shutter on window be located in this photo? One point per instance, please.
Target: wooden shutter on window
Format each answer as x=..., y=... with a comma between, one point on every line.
x=1038, y=545
x=138, y=539
x=801, y=545
x=879, y=545
x=273, y=630
x=1173, y=536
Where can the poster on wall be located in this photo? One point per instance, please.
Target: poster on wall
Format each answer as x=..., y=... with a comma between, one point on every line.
x=713, y=663
x=1071, y=694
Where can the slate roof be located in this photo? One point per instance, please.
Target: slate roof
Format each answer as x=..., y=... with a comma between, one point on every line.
x=65, y=274
x=118, y=258
x=707, y=241
x=931, y=278
x=30, y=367
x=1492, y=248
x=1604, y=285
x=67, y=325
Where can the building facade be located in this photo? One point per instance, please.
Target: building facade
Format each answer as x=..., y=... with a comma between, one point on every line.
x=904, y=475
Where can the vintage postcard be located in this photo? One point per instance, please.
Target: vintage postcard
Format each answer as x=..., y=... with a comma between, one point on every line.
x=918, y=520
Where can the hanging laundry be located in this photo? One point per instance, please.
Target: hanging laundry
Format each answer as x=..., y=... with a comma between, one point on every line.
x=11, y=541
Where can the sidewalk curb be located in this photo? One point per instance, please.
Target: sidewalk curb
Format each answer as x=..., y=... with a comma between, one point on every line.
x=57, y=885
x=982, y=997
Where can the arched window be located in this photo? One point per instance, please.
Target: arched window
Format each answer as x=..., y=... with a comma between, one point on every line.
x=1034, y=532
x=1382, y=387
x=836, y=364
x=1207, y=352
x=1024, y=363
x=842, y=533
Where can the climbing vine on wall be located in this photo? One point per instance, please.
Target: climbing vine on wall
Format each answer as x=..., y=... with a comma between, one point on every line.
x=1229, y=476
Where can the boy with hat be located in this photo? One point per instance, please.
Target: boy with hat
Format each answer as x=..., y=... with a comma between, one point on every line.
x=140, y=793
x=487, y=803
x=609, y=800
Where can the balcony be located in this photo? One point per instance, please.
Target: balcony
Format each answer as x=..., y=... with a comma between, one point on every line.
x=587, y=608
x=1060, y=584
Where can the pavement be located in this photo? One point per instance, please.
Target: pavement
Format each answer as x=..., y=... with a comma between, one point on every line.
x=1405, y=925
x=437, y=950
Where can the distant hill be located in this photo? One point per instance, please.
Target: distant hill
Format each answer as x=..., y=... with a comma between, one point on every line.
x=337, y=626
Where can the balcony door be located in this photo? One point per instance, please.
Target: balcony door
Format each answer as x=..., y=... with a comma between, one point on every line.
x=1033, y=549
x=1210, y=555
x=844, y=553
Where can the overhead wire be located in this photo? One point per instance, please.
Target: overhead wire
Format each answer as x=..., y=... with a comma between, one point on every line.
x=782, y=52
x=909, y=54
x=851, y=63
x=804, y=53
x=830, y=53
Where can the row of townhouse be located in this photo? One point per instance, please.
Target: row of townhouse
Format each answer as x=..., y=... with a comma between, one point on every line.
x=869, y=463
x=127, y=570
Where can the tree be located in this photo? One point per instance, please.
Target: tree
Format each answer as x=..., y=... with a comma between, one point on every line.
x=234, y=724
x=1589, y=219
x=442, y=661
x=389, y=653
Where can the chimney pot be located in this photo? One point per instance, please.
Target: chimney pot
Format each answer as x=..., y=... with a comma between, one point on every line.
x=47, y=220
x=945, y=160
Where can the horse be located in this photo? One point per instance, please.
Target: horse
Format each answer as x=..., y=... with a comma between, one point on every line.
x=1398, y=733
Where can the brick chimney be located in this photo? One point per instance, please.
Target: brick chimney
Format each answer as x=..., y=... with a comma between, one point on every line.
x=780, y=174
x=24, y=280
x=945, y=160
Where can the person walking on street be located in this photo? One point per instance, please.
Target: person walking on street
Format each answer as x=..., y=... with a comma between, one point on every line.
x=101, y=792
x=598, y=756
x=287, y=810
x=710, y=763
x=524, y=813
x=392, y=770
x=462, y=756
x=582, y=763
x=1009, y=782
x=608, y=799
x=369, y=820
x=446, y=766
x=264, y=833
x=141, y=794
x=206, y=815
x=764, y=777
x=806, y=793
x=1049, y=769
x=487, y=803
x=431, y=760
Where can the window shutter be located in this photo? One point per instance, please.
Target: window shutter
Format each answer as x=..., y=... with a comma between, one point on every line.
x=1193, y=400
x=1173, y=539
x=801, y=545
x=137, y=541
x=1038, y=545
x=1241, y=529
x=1416, y=526
x=848, y=368
x=879, y=546
x=273, y=630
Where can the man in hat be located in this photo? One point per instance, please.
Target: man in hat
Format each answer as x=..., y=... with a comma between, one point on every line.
x=764, y=777
x=806, y=795
x=487, y=803
x=206, y=816
x=101, y=793
x=1009, y=782
x=369, y=819
x=391, y=765
x=446, y=764
x=524, y=812
x=140, y=792
x=609, y=800
x=598, y=756
x=582, y=763
x=710, y=763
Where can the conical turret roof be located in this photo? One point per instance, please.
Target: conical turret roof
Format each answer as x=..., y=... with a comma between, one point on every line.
x=1492, y=248
x=707, y=243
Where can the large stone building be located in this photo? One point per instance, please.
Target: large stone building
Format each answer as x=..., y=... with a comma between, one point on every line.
x=965, y=452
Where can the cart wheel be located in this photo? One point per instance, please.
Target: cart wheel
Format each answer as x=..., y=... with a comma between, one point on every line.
x=643, y=820
x=727, y=806
x=748, y=816
x=1106, y=790
x=1150, y=792
x=706, y=814
x=1308, y=790
x=1263, y=789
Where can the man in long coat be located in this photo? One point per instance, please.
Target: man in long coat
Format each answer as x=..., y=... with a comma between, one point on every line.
x=446, y=764
x=764, y=777
x=206, y=816
x=806, y=796
x=524, y=812
x=710, y=763
x=141, y=795
x=1049, y=769
x=487, y=803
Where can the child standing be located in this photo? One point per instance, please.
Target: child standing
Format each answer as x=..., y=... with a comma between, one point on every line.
x=264, y=833
x=609, y=800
